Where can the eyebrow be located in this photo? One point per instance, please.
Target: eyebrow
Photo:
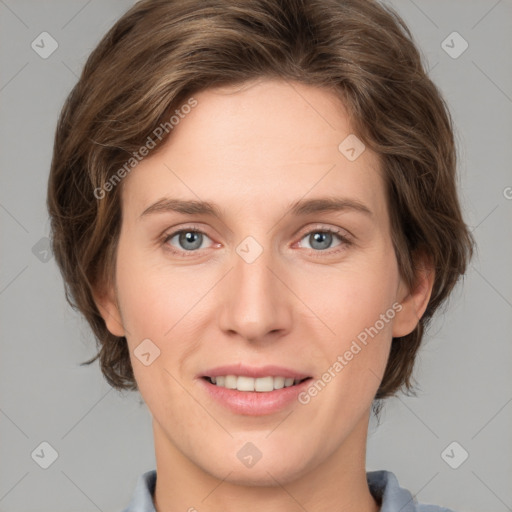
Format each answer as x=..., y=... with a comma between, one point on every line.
x=301, y=207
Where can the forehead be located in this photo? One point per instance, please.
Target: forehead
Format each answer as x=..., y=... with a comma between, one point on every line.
x=265, y=142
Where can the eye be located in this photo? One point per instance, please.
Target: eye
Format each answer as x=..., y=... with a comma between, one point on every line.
x=320, y=240
x=188, y=240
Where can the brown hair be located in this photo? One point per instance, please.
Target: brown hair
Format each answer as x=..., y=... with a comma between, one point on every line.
x=163, y=51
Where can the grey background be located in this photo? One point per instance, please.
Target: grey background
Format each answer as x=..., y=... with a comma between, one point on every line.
x=103, y=437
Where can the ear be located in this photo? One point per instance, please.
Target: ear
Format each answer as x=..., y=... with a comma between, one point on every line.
x=108, y=306
x=414, y=300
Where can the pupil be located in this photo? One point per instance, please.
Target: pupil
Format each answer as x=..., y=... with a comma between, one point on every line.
x=322, y=237
x=188, y=237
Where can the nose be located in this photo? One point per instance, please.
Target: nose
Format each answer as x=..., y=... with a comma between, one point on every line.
x=256, y=304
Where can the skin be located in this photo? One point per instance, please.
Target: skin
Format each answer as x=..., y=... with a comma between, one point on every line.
x=253, y=150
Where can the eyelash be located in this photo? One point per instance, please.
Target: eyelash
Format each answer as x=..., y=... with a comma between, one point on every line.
x=345, y=241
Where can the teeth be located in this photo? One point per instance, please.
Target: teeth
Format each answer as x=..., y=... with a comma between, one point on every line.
x=261, y=384
x=230, y=382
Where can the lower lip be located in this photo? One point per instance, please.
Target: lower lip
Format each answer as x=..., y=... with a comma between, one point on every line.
x=254, y=403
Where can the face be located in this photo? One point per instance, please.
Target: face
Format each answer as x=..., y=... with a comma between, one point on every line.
x=268, y=283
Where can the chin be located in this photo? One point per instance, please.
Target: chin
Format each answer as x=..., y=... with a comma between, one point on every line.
x=272, y=467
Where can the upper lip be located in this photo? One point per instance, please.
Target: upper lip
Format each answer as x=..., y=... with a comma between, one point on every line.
x=254, y=371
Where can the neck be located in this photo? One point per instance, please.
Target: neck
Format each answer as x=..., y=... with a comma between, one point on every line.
x=337, y=483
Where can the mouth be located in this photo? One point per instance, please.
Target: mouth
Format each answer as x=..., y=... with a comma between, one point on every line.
x=260, y=395
x=251, y=390
x=245, y=383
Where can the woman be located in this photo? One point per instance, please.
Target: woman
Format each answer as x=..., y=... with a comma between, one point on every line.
x=254, y=205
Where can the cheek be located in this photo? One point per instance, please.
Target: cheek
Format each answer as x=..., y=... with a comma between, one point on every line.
x=352, y=297
x=359, y=306
x=155, y=296
x=163, y=304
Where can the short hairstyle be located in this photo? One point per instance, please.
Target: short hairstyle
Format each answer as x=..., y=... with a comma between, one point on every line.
x=161, y=52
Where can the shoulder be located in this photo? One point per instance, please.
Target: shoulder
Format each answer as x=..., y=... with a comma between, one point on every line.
x=385, y=489
x=142, y=497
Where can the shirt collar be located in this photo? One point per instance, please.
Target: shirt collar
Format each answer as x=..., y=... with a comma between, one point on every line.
x=383, y=486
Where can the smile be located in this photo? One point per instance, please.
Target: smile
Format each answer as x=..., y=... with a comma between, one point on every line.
x=260, y=384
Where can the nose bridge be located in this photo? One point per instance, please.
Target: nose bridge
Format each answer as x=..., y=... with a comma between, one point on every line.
x=256, y=301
